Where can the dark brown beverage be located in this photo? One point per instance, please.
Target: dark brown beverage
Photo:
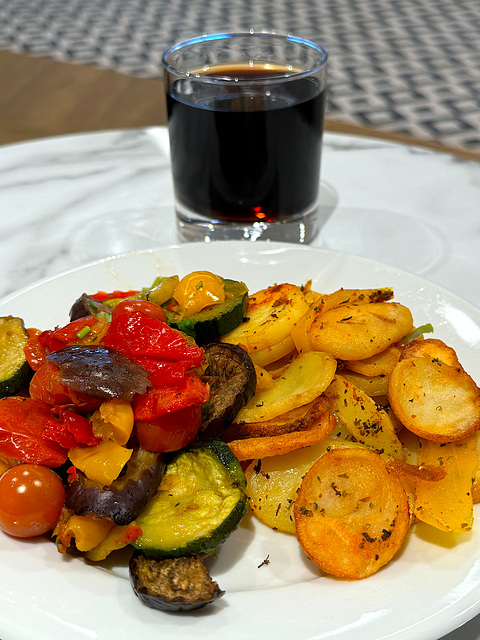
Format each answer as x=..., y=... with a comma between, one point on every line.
x=247, y=152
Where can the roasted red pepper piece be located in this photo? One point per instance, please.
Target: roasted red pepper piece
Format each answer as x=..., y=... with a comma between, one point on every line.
x=138, y=335
x=165, y=374
x=39, y=345
x=160, y=401
x=101, y=296
x=70, y=430
x=79, y=426
x=22, y=426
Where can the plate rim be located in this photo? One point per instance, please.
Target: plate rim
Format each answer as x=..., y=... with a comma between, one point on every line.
x=419, y=630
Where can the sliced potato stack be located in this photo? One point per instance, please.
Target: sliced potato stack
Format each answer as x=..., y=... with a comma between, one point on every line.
x=329, y=464
x=432, y=395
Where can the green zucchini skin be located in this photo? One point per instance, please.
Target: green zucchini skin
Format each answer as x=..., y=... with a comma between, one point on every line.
x=15, y=372
x=169, y=528
x=217, y=320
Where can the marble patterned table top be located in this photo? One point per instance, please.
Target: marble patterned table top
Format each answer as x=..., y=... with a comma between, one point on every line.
x=67, y=201
x=406, y=206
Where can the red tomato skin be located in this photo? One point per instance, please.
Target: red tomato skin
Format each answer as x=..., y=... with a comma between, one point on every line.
x=158, y=402
x=22, y=425
x=101, y=296
x=31, y=500
x=141, y=306
x=170, y=432
x=35, y=352
x=46, y=386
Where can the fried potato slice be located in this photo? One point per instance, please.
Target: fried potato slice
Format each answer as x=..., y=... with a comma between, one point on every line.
x=264, y=378
x=273, y=483
x=295, y=420
x=345, y=297
x=431, y=347
x=266, y=446
x=351, y=514
x=366, y=422
x=373, y=386
x=435, y=400
x=448, y=503
x=380, y=364
x=302, y=381
x=358, y=332
x=272, y=313
x=274, y=352
x=320, y=303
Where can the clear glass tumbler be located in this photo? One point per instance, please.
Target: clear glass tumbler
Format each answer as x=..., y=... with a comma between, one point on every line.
x=245, y=118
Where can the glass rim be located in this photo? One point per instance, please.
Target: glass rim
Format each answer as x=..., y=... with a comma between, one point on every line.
x=219, y=78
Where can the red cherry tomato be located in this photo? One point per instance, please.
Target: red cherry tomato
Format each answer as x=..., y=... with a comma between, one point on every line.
x=31, y=500
x=46, y=385
x=22, y=428
x=140, y=306
x=171, y=431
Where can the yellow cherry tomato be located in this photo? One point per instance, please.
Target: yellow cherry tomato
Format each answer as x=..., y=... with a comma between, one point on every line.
x=198, y=290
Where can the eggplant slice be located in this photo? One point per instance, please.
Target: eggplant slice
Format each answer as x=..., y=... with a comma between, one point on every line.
x=123, y=500
x=87, y=306
x=232, y=378
x=173, y=584
x=100, y=372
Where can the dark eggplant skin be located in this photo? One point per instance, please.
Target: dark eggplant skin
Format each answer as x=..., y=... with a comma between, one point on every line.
x=123, y=500
x=86, y=306
x=100, y=372
x=233, y=381
x=173, y=584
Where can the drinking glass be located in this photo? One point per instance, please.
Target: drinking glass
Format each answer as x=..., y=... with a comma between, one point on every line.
x=245, y=119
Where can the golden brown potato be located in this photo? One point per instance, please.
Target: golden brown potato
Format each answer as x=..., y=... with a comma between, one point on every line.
x=358, y=332
x=380, y=364
x=273, y=483
x=375, y=387
x=320, y=303
x=266, y=446
x=295, y=420
x=431, y=347
x=366, y=422
x=272, y=313
x=274, y=352
x=447, y=504
x=305, y=379
x=264, y=378
x=435, y=400
x=351, y=514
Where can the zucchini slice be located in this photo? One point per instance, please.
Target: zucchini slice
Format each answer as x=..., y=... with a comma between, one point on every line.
x=15, y=372
x=201, y=500
x=215, y=321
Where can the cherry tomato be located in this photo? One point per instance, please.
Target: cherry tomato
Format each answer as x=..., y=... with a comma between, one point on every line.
x=171, y=431
x=22, y=427
x=46, y=386
x=31, y=500
x=141, y=306
x=35, y=352
x=198, y=290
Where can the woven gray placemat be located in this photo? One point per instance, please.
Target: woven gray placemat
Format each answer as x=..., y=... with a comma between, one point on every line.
x=402, y=66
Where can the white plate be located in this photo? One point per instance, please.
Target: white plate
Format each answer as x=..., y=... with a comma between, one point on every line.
x=432, y=587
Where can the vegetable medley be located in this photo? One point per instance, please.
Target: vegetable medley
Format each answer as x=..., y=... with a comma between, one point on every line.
x=155, y=418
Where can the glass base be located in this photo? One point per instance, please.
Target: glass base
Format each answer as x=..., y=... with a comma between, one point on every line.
x=300, y=228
